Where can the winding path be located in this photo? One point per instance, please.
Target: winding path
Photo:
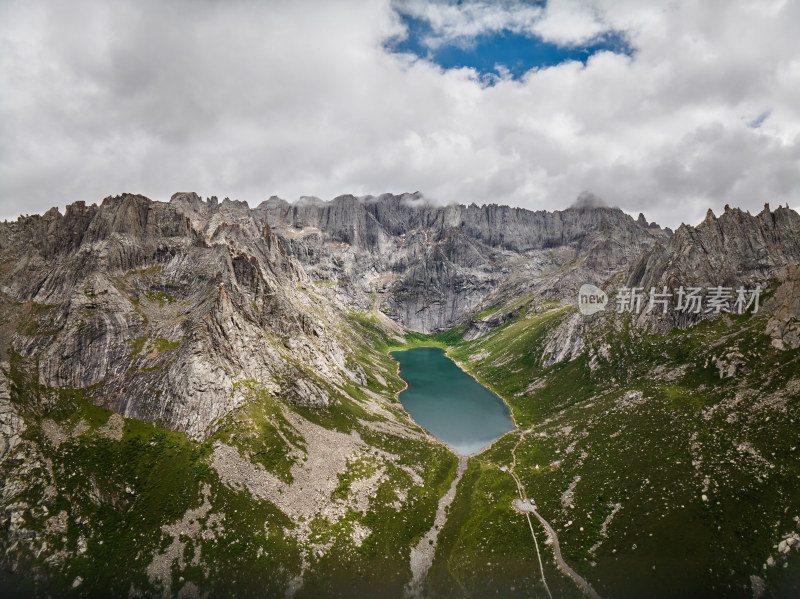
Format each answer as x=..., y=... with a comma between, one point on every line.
x=563, y=566
x=579, y=580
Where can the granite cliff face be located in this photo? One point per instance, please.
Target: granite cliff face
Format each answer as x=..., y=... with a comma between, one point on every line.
x=159, y=315
x=433, y=266
x=159, y=309
x=180, y=402
x=736, y=248
x=784, y=325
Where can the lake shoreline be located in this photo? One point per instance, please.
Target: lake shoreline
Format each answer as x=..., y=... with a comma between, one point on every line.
x=479, y=410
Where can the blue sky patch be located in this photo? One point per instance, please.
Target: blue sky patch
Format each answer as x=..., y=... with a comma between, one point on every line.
x=492, y=53
x=759, y=120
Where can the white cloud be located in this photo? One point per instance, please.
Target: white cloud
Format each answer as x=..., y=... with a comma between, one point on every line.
x=451, y=21
x=249, y=99
x=570, y=23
x=564, y=22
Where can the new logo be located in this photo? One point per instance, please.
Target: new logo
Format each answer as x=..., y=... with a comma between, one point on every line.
x=591, y=299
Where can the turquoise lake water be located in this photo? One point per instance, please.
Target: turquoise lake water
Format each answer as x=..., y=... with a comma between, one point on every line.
x=449, y=403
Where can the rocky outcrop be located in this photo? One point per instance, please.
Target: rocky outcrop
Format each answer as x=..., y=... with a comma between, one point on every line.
x=735, y=248
x=565, y=342
x=11, y=423
x=158, y=309
x=784, y=324
x=155, y=310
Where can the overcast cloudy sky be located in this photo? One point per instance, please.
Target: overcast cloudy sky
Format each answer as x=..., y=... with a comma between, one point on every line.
x=663, y=107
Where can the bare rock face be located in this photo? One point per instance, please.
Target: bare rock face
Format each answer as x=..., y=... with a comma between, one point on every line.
x=158, y=309
x=565, y=342
x=11, y=423
x=733, y=250
x=433, y=266
x=784, y=325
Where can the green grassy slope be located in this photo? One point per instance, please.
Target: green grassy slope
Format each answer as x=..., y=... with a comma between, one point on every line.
x=661, y=477
x=97, y=509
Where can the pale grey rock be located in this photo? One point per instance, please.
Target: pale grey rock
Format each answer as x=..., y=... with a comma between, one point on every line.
x=735, y=248
x=732, y=364
x=784, y=325
x=158, y=308
x=732, y=250
x=307, y=393
x=157, y=311
x=477, y=327
x=12, y=424
x=435, y=265
x=758, y=586
x=566, y=341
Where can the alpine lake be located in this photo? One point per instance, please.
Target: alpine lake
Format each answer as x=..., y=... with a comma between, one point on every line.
x=449, y=403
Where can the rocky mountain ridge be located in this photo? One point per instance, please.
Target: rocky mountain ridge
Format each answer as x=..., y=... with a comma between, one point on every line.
x=159, y=316
x=432, y=266
x=173, y=302
x=734, y=248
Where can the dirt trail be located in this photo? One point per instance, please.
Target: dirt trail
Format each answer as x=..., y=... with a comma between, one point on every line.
x=563, y=566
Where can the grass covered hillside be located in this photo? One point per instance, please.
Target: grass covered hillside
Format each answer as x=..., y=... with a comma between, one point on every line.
x=280, y=498
x=667, y=463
